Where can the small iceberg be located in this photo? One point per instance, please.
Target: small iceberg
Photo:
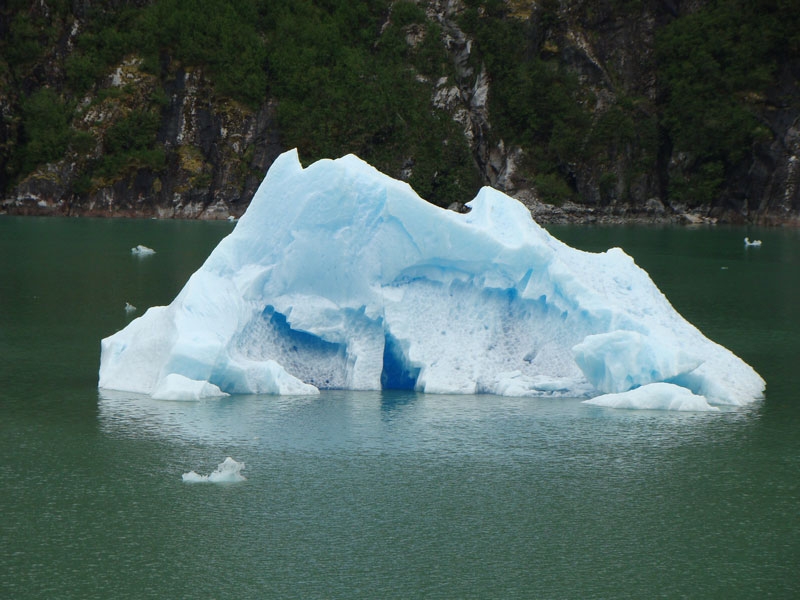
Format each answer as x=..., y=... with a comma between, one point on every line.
x=129, y=308
x=178, y=387
x=141, y=250
x=655, y=396
x=228, y=471
x=748, y=242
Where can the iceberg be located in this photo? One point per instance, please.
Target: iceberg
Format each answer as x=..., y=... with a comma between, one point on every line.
x=338, y=276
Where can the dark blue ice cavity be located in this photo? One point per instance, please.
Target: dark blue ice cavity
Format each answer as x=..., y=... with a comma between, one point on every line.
x=299, y=340
x=305, y=355
x=397, y=374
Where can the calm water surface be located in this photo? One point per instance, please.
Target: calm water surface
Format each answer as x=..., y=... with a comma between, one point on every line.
x=393, y=494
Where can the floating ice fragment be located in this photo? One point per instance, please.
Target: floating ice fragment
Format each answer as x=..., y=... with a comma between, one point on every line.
x=228, y=471
x=129, y=308
x=142, y=251
x=748, y=242
x=178, y=387
x=655, y=396
x=338, y=276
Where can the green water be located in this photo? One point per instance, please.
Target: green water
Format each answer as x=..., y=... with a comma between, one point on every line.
x=396, y=494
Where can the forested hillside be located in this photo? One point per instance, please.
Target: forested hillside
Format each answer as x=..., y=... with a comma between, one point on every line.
x=659, y=109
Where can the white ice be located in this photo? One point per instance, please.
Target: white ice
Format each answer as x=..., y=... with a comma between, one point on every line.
x=338, y=276
x=228, y=471
x=141, y=250
x=177, y=387
x=666, y=396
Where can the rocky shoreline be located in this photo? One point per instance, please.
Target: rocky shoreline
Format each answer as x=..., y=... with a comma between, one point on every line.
x=652, y=213
x=568, y=213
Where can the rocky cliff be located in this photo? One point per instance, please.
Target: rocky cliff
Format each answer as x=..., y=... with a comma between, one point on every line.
x=213, y=153
x=583, y=110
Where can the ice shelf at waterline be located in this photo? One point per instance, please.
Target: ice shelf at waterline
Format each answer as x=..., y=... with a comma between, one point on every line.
x=339, y=276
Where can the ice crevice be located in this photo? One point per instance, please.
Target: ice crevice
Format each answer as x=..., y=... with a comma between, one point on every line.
x=339, y=276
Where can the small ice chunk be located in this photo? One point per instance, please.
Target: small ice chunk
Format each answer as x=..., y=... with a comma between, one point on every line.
x=129, y=308
x=655, y=396
x=180, y=387
x=228, y=471
x=749, y=242
x=142, y=251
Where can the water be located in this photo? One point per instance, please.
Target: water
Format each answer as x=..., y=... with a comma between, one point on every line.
x=394, y=494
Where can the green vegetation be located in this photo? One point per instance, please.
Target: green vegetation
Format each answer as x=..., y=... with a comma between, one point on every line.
x=715, y=65
x=343, y=83
x=359, y=77
x=538, y=103
x=535, y=101
x=220, y=35
x=342, y=86
x=47, y=134
x=129, y=143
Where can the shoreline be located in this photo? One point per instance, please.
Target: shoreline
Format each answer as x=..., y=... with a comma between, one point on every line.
x=569, y=213
x=652, y=213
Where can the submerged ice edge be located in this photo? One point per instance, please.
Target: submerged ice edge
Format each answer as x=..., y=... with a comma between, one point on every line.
x=655, y=396
x=338, y=276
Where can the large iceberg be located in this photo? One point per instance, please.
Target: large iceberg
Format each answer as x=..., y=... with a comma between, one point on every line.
x=339, y=276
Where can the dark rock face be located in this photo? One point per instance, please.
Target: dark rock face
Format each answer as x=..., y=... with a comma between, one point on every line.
x=767, y=187
x=612, y=52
